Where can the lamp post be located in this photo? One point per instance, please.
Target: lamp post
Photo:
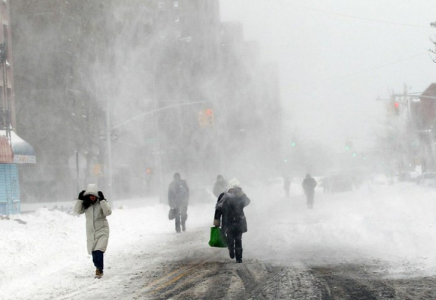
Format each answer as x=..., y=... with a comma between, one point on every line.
x=154, y=112
x=158, y=152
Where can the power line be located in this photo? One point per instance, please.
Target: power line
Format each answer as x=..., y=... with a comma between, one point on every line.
x=353, y=17
x=375, y=68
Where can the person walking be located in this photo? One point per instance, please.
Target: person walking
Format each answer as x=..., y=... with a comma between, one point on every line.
x=286, y=185
x=92, y=203
x=178, y=199
x=229, y=213
x=309, y=185
x=220, y=186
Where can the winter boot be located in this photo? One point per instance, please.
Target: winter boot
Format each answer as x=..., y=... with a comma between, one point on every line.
x=232, y=253
x=238, y=255
x=98, y=273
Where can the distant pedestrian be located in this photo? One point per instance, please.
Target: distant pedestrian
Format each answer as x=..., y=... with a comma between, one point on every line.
x=287, y=185
x=178, y=199
x=92, y=203
x=309, y=185
x=219, y=186
x=229, y=213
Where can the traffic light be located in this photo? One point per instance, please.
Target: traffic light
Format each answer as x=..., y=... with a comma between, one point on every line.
x=148, y=171
x=209, y=116
x=397, y=107
x=206, y=117
x=293, y=144
x=97, y=170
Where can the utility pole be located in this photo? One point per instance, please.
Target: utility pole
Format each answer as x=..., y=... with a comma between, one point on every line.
x=109, y=152
x=433, y=24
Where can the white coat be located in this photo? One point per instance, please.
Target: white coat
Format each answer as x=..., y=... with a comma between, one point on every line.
x=97, y=227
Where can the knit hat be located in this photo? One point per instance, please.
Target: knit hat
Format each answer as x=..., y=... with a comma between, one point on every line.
x=92, y=189
x=233, y=183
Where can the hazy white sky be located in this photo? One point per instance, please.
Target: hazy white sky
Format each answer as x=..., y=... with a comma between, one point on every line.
x=337, y=56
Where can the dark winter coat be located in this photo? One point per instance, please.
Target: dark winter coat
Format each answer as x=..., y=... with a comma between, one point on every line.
x=230, y=208
x=178, y=194
x=309, y=185
x=219, y=187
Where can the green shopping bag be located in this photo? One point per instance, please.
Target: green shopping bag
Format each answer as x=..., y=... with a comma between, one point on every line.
x=216, y=239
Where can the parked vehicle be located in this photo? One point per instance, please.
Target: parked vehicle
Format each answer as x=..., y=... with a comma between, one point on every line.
x=381, y=179
x=410, y=176
x=427, y=179
x=336, y=183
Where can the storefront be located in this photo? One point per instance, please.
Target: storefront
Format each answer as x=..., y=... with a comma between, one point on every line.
x=17, y=151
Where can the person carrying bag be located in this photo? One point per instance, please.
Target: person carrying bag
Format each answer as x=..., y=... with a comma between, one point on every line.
x=229, y=214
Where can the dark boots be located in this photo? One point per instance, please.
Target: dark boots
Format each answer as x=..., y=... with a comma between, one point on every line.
x=238, y=253
x=184, y=218
x=232, y=253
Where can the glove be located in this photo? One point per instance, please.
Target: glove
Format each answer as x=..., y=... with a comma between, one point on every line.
x=81, y=197
x=100, y=195
x=216, y=223
x=239, y=192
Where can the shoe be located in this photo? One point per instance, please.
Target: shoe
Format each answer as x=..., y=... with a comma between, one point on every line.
x=183, y=227
x=239, y=261
x=178, y=230
x=98, y=273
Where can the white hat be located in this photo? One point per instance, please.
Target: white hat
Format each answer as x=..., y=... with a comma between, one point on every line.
x=92, y=189
x=233, y=183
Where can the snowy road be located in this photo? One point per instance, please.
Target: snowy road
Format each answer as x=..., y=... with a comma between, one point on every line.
x=373, y=243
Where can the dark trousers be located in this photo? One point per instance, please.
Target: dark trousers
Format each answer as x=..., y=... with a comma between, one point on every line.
x=181, y=216
x=97, y=258
x=234, y=241
x=310, y=195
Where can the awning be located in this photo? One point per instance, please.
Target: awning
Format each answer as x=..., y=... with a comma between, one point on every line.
x=23, y=152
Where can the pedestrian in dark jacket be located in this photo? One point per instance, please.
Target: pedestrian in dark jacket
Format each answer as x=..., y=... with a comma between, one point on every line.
x=309, y=185
x=92, y=203
x=220, y=186
x=229, y=213
x=178, y=199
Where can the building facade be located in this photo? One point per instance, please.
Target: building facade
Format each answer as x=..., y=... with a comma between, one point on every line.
x=151, y=66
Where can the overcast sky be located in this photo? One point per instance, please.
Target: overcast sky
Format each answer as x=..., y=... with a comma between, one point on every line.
x=337, y=56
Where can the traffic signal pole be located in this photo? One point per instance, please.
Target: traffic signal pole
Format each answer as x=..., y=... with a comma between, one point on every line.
x=158, y=150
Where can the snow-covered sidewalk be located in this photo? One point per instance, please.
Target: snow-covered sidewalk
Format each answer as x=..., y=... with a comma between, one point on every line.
x=47, y=258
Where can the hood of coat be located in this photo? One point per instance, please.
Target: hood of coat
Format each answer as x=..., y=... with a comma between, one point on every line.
x=233, y=183
x=91, y=189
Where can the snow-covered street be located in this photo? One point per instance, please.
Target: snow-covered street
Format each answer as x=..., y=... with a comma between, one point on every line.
x=385, y=232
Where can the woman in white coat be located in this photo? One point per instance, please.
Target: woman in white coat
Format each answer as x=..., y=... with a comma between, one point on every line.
x=92, y=203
